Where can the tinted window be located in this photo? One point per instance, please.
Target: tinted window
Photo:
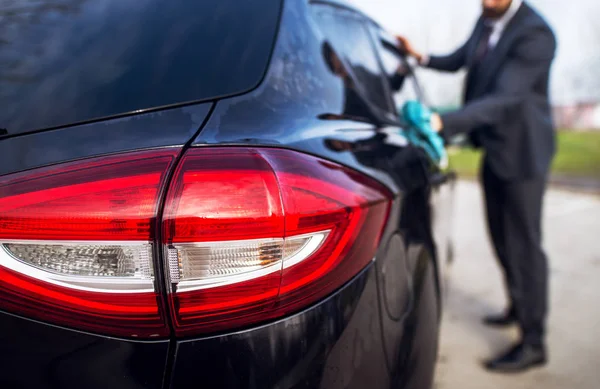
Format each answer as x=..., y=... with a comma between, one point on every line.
x=350, y=39
x=65, y=61
x=405, y=91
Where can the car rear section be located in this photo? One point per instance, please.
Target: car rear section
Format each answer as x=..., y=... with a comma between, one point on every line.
x=172, y=213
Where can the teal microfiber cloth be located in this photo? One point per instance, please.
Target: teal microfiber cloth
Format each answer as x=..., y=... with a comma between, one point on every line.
x=420, y=133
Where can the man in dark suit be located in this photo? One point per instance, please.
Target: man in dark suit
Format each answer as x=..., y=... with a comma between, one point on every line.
x=507, y=113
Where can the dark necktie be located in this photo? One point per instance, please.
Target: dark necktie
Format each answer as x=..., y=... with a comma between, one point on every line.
x=480, y=53
x=483, y=44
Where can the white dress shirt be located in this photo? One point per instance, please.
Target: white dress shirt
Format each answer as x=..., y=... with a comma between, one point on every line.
x=499, y=25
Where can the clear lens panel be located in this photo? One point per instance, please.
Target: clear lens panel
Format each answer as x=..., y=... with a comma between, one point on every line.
x=293, y=246
x=88, y=260
x=219, y=259
x=235, y=259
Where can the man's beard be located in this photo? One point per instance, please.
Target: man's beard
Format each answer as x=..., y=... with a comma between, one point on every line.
x=493, y=13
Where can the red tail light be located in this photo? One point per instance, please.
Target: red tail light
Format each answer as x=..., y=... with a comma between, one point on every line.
x=256, y=234
x=248, y=235
x=76, y=243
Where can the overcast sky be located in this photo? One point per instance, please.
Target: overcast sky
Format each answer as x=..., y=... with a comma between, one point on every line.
x=440, y=26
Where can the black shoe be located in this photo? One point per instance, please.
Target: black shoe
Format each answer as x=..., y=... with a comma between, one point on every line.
x=503, y=320
x=520, y=358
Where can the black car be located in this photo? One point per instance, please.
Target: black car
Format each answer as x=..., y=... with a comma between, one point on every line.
x=213, y=194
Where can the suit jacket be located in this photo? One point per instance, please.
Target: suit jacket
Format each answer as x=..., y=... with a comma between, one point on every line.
x=507, y=109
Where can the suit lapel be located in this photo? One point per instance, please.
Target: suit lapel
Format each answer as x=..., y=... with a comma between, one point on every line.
x=474, y=42
x=494, y=59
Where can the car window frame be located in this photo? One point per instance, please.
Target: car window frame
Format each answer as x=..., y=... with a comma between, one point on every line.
x=382, y=40
x=383, y=116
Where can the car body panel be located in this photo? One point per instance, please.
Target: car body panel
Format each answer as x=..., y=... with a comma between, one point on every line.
x=378, y=331
x=173, y=127
x=334, y=344
x=38, y=355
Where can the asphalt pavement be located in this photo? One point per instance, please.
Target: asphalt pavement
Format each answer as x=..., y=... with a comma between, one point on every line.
x=474, y=288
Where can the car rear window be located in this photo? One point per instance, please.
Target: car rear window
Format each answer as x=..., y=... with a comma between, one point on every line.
x=68, y=61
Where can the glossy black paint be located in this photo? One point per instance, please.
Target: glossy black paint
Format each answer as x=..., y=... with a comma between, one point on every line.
x=378, y=331
x=37, y=355
x=173, y=127
x=302, y=104
x=293, y=353
x=336, y=344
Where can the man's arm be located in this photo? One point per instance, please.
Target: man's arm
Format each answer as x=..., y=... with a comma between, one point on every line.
x=531, y=59
x=448, y=63
x=454, y=61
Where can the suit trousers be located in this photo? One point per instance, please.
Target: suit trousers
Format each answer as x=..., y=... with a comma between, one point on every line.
x=514, y=213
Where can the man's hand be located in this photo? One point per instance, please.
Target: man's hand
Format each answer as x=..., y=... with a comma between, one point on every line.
x=436, y=122
x=407, y=47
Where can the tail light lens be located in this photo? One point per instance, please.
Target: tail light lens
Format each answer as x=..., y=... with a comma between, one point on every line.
x=247, y=234
x=253, y=234
x=76, y=243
